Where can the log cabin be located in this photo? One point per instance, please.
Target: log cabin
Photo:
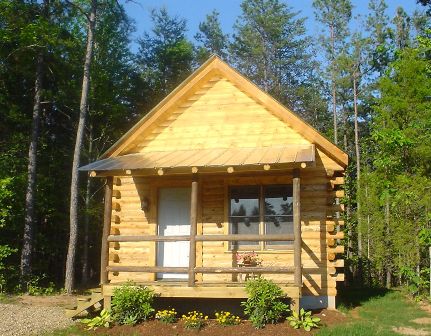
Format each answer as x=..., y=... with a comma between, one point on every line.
x=216, y=170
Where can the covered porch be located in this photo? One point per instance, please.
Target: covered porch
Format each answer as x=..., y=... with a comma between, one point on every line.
x=192, y=169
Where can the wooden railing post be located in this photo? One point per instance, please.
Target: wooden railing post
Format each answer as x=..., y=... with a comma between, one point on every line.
x=104, y=253
x=193, y=230
x=297, y=227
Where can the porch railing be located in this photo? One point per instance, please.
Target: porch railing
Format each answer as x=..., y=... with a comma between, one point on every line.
x=194, y=238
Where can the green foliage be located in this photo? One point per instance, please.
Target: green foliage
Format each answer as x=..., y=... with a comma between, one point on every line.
x=304, y=320
x=264, y=303
x=35, y=287
x=132, y=303
x=165, y=56
x=194, y=320
x=167, y=316
x=227, y=318
x=211, y=38
x=103, y=320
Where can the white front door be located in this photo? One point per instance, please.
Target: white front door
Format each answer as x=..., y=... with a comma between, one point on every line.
x=173, y=220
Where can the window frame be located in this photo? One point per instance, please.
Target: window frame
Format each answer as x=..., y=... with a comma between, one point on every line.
x=262, y=246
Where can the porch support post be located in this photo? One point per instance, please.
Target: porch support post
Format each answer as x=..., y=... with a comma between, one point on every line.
x=104, y=255
x=297, y=227
x=193, y=230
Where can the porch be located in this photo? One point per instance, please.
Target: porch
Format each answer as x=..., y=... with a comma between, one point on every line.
x=194, y=285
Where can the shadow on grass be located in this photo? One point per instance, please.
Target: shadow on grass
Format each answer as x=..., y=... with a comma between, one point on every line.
x=349, y=298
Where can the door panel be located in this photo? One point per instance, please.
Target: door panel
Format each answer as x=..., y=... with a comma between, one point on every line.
x=173, y=220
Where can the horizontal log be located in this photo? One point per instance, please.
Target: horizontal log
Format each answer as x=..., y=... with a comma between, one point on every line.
x=232, y=237
x=246, y=237
x=253, y=269
x=157, y=269
x=147, y=269
x=147, y=238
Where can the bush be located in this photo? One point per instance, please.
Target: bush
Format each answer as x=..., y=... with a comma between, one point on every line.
x=103, y=320
x=227, y=319
x=265, y=302
x=167, y=316
x=194, y=320
x=303, y=320
x=132, y=304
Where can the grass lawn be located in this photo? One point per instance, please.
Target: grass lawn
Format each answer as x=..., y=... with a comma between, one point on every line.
x=378, y=313
x=375, y=312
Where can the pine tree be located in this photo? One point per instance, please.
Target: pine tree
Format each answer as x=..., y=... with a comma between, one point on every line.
x=270, y=47
x=211, y=38
x=165, y=56
x=335, y=16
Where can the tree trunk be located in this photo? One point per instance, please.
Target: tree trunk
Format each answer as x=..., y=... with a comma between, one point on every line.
x=85, y=240
x=30, y=196
x=388, y=231
x=74, y=187
x=334, y=97
x=358, y=163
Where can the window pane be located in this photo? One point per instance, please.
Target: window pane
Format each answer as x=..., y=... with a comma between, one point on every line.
x=279, y=225
x=244, y=212
x=278, y=211
x=244, y=225
x=278, y=200
x=244, y=201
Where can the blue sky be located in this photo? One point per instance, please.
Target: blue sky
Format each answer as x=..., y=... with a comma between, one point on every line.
x=194, y=11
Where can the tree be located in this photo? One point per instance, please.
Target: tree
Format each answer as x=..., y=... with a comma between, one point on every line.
x=402, y=29
x=335, y=16
x=74, y=186
x=377, y=25
x=270, y=47
x=211, y=38
x=165, y=56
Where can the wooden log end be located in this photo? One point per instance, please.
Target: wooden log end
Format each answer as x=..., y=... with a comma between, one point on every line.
x=93, y=173
x=160, y=172
x=303, y=165
x=230, y=170
x=117, y=181
x=267, y=167
x=195, y=170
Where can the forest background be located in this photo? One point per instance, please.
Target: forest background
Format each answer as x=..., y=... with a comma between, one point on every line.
x=73, y=79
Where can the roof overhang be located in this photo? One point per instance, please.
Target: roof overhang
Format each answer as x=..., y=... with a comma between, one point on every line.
x=207, y=159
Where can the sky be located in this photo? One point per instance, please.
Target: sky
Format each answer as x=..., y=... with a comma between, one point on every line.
x=194, y=11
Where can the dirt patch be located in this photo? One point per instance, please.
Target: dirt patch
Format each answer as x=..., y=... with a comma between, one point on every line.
x=152, y=328
x=422, y=320
x=410, y=331
x=46, y=301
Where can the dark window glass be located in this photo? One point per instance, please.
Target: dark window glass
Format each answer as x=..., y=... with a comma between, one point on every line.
x=278, y=211
x=244, y=214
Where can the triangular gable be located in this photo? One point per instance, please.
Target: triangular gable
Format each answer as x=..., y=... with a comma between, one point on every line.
x=214, y=73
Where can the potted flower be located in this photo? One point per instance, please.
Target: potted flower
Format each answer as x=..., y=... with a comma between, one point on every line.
x=248, y=259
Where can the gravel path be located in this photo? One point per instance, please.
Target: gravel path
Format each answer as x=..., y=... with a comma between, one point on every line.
x=24, y=320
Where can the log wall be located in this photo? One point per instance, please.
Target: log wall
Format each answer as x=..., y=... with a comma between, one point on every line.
x=320, y=254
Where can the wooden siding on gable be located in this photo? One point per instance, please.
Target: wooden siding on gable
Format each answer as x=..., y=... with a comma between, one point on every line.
x=217, y=115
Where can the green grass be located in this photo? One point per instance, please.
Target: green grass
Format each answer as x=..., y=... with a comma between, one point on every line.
x=377, y=313
x=370, y=312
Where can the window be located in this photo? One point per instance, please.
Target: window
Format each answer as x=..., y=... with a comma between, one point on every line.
x=261, y=210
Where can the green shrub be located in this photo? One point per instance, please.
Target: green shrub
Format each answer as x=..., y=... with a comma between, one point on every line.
x=194, y=320
x=132, y=304
x=226, y=318
x=303, y=320
x=103, y=320
x=265, y=302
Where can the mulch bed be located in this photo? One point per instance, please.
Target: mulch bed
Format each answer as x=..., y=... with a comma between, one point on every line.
x=155, y=328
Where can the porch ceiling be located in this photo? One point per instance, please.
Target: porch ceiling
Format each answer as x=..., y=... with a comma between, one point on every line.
x=219, y=157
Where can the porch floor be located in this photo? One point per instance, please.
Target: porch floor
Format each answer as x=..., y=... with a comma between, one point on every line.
x=202, y=290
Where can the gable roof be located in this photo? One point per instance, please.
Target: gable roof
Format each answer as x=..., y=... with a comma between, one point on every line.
x=216, y=65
